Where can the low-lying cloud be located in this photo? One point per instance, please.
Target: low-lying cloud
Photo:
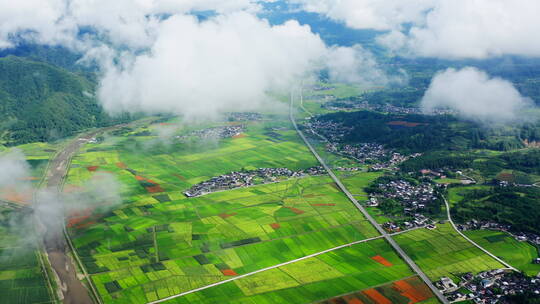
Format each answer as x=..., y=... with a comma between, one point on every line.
x=227, y=63
x=15, y=177
x=156, y=56
x=357, y=66
x=49, y=207
x=475, y=95
x=201, y=68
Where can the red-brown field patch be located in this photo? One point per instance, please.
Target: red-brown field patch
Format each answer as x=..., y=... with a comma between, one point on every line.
x=379, y=259
x=229, y=272
x=322, y=205
x=225, y=215
x=155, y=189
x=121, y=165
x=505, y=176
x=240, y=136
x=296, y=210
x=413, y=289
x=377, y=296
x=78, y=217
x=352, y=300
x=73, y=189
x=406, y=291
x=180, y=177
x=402, y=123
x=16, y=196
x=139, y=178
x=92, y=168
x=275, y=226
x=80, y=222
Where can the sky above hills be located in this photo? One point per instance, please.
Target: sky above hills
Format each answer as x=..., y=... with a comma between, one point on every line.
x=200, y=57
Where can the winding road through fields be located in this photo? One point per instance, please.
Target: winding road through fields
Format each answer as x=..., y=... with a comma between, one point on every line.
x=473, y=242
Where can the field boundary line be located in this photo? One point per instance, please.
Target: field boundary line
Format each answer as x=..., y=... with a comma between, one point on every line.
x=473, y=242
x=265, y=269
x=384, y=234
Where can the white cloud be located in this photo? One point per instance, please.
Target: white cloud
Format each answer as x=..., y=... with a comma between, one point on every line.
x=475, y=95
x=14, y=169
x=475, y=29
x=370, y=14
x=122, y=22
x=156, y=57
x=443, y=28
x=36, y=19
x=200, y=68
x=355, y=65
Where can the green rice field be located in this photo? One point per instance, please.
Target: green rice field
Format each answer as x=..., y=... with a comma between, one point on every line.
x=340, y=272
x=442, y=252
x=158, y=242
x=518, y=254
x=21, y=277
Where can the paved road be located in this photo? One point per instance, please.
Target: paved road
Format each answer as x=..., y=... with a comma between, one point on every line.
x=56, y=245
x=471, y=241
x=386, y=236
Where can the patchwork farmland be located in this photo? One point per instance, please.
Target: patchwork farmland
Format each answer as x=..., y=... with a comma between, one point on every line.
x=443, y=253
x=341, y=272
x=159, y=243
x=21, y=277
x=518, y=254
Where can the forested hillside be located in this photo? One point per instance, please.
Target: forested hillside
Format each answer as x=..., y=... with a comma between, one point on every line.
x=422, y=133
x=42, y=102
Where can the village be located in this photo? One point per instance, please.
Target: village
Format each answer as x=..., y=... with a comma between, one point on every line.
x=413, y=198
x=214, y=133
x=373, y=154
x=520, y=236
x=243, y=116
x=491, y=287
x=249, y=178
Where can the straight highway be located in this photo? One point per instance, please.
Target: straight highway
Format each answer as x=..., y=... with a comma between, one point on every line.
x=386, y=236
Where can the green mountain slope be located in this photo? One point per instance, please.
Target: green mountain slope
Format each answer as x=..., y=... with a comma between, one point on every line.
x=42, y=102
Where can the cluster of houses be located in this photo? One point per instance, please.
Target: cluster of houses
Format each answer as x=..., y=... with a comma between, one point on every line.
x=244, y=116
x=249, y=178
x=486, y=225
x=393, y=162
x=492, y=286
x=366, y=152
x=214, y=133
x=372, y=153
x=418, y=220
x=413, y=197
x=328, y=131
